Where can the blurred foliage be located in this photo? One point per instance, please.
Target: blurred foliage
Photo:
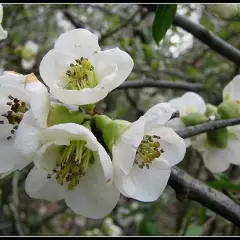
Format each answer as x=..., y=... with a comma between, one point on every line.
x=179, y=57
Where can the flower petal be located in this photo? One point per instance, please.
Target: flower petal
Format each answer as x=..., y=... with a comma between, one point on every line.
x=39, y=102
x=217, y=160
x=145, y=184
x=47, y=156
x=78, y=97
x=78, y=42
x=189, y=101
x=124, y=151
x=12, y=78
x=93, y=197
x=173, y=145
x=28, y=136
x=37, y=185
x=158, y=115
x=232, y=89
x=112, y=68
x=53, y=67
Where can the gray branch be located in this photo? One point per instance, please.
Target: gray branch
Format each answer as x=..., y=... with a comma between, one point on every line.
x=191, y=188
x=206, y=127
x=162, y=84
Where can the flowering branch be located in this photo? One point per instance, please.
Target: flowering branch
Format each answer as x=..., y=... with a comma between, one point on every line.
x=162, y=84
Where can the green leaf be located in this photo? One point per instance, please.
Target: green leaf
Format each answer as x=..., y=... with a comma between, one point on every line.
x=163, y=19
x=194, y=230
x=224, y=185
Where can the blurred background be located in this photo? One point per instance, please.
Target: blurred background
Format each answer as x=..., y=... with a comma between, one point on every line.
x=32, y=31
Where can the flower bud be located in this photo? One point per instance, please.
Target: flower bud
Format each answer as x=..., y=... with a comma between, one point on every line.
x=61, y=114
x=218, y=138
x=27, y=54
x=111, y=129
x=194, y=118
x=211, y=110
x=110, y=228
x=229, y=109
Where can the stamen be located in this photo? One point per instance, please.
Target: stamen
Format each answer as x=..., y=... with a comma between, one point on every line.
x=148, y=150
x=80, y=75
x=74, y=162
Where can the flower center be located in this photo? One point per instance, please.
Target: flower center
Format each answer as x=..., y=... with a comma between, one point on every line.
x=80, y=75
x=15, y=114
x=73, y=164
x=148, y=150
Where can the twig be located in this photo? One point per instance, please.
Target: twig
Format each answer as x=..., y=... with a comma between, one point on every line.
x=191, y=188
x=72, y=20
x=15, y=205
x=204, y=35
x=206, y=127
x=162, y=84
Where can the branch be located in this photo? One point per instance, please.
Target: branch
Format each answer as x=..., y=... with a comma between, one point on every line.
x=204, y=35
x=206, y=127
x=189, y=187
x=162, y=84
x=208, y=38
x=72, y=20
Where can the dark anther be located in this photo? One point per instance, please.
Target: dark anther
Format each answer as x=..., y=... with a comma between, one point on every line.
x=9, y=103
x=15, y=127
x=71, y=65
x=162, y=151
x=15, y=100
x=9, y=138
x=1, y=122
x=10, y=97
x=12, y=131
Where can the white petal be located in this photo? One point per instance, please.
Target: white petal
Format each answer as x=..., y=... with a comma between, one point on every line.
x=37, y=185
x=9, y=156
x=189, y=102
x=158, y=115
x=47, y=156
x=78, y=42
x=94, y=197
x=112, y=68
x=33, y=46
x=39, y=102
x=14, y=91
x=198, y=142
x=28, y=136
x=12, y=78
x=53, y=67
x=124, y=151
x=232, y=89
x=145, y=184
x=173, y=145
x=5, y=129
x=217, y=160
x=70, y=131
x=233, y=146
x=175, y=123
x=78, y=97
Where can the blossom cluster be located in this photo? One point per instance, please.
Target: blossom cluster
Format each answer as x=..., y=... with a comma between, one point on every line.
x=218, y=148
x=79, y=155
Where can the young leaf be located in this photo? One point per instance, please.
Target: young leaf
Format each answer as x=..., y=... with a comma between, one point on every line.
x=163, y=19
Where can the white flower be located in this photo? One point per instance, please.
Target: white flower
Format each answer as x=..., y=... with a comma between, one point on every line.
x=17, y=94
x=3, y=33
x=219, y=159
x=72, y=165
x=188, y=103
x=78, y=72
x=144, y=153
x=28, y=54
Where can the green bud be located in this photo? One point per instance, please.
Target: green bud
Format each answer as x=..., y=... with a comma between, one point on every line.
x=217, y=138
x=111, y=129
x=229, y=109
x=60, y=114
x=211, y=110
x=27, y=54
x=194, y=118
